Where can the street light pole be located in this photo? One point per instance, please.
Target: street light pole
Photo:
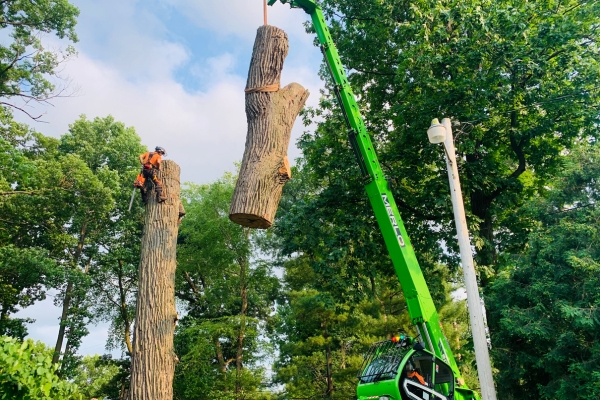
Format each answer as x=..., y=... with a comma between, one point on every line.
x=484, y=368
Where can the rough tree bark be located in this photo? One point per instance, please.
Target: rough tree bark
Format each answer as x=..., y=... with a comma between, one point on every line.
x=154, y=360
x=270, y=112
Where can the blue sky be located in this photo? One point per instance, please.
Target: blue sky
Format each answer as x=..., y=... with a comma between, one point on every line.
x=176, y=71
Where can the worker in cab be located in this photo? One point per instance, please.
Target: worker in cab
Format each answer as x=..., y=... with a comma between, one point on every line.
x=413, y=391
x=150, y=166
x=414, y=374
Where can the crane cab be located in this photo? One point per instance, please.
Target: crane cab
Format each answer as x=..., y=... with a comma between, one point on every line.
x=398, y=370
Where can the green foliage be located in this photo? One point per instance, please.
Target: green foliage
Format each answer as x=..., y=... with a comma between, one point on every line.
x=314, y=333
x=70, y=198
x=103, y=289
x=314, y=329
x=94, y=376
x=25, y=64
x=103, y=377
x=27, y=372
x=46, y=198
x=509, y=71
x=204, y=346
x=229, y=294
x=111, y=150
x=545, y=306
x=24, y=275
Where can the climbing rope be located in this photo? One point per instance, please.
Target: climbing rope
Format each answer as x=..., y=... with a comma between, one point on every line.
x=265, y=10
x=267, y=88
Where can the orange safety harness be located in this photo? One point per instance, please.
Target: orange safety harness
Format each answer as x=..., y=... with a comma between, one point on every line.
x=151, y=160
x=415, y=374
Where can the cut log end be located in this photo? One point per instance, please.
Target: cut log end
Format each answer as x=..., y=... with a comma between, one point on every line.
x=285, y=171
x=250, y=221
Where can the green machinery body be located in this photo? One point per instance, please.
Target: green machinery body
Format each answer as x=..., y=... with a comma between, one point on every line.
x=420, y=304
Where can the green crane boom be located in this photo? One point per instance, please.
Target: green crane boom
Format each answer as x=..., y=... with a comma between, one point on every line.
x=420, y=304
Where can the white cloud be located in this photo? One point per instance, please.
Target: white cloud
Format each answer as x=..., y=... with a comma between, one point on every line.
x=204, y=132
x=126, y=36
x=240, y=17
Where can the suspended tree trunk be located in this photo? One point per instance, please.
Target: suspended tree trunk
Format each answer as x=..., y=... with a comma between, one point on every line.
x=154, y=360
x=270, y=112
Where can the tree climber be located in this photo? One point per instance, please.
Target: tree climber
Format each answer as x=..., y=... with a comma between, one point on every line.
x=150, y=166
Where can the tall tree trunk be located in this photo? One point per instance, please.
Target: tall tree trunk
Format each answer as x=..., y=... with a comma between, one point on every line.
x=481, y=207
x=481, y=203
x=67, y=299
x=329, y=367
x=343, y=355
x=154, y=359
x=219, y=353
x=271, y=113
x=63, y=322
x=242, y=331
x=123, y=310
x=381, y=303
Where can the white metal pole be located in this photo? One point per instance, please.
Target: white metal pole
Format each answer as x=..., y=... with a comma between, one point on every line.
x=482, y=356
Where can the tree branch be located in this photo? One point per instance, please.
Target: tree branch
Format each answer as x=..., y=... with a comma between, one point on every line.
x=517, y=148
x=190, y=282
x=20, y=109
x=39, y=26
x=27, y=192
x=351, y=18
x=373, y=72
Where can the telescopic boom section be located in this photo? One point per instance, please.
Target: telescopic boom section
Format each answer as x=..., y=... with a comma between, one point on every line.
x=420, y=305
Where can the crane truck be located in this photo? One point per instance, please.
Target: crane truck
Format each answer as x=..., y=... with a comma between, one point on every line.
x=401, y=367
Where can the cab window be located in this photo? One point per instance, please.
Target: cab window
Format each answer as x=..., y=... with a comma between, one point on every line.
x=443, y=378
x=381, y=369
x=426, y=377
x=420, y=364
x=417, y=377
x=382, y=362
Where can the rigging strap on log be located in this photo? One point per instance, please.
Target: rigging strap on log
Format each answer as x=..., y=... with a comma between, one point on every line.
x=269, y=88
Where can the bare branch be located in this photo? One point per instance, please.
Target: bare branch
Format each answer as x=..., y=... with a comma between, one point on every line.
x=27, y=192
x=20, y=109
x=374, y=72
x=20, y=23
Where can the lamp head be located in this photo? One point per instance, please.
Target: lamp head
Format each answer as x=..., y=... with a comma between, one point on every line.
x=436, y=132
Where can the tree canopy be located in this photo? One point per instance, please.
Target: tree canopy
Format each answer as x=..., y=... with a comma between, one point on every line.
x=520, y=77
x=26, y=66
x=545, y=304
x=230, y=295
